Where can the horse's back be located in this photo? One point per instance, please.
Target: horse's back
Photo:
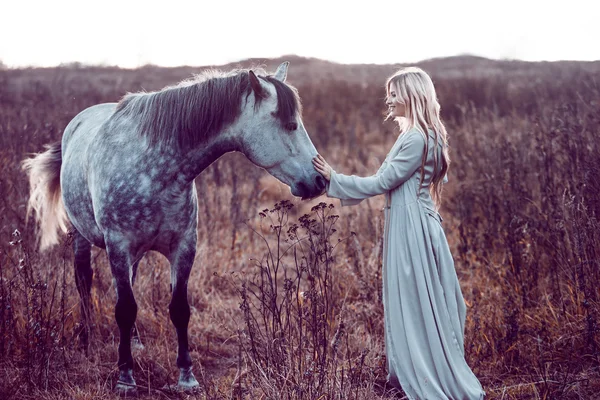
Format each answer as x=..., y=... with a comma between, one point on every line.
x=79, y=134
x=87, y=123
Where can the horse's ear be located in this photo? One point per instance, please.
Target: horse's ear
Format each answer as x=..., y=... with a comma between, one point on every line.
x=255, y=84
x=281, y=72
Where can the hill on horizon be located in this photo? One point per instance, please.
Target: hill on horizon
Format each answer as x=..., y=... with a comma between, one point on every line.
x=310, y=69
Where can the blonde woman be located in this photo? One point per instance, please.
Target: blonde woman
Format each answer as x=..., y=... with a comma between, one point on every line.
x=423, y=304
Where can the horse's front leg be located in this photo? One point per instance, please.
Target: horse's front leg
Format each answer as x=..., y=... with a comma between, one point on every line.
x=182, y=260
x=125, y=312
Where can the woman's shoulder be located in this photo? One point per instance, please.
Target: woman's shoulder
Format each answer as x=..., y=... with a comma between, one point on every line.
x=417, y=134
x=414, y=135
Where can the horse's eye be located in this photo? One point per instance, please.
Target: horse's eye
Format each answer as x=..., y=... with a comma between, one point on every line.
x=291, y=126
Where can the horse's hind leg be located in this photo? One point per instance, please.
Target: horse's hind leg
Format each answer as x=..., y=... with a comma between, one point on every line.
x=125, y=311
x=182, y=260
x=82, y=251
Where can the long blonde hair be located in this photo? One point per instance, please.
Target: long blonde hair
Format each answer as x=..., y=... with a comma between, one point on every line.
x=415, y=89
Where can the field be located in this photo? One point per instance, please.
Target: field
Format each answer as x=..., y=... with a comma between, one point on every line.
x=521, y=212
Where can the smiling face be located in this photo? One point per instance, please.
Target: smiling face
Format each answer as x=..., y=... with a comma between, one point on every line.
x=396, y=106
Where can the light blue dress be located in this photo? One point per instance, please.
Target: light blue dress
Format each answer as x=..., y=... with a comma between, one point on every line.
x=423, y=304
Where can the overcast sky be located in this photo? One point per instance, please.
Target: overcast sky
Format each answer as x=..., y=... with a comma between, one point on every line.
x=174, y=32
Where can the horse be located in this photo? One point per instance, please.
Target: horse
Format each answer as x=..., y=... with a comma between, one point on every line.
x=122, y=179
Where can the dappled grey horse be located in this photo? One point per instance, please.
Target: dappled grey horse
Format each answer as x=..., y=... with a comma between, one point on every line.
x=123, y=177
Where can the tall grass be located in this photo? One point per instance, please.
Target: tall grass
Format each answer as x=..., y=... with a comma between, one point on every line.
x=293, y=334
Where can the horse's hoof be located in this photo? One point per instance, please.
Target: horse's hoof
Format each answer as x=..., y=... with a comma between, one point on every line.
x=187, y=380
x=125, y=390
x=126, y=384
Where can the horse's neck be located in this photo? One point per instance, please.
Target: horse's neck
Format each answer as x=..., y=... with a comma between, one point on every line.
x=196, y=160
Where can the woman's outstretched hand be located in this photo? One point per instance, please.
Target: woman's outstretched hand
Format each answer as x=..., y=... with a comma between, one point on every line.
x=322, y=167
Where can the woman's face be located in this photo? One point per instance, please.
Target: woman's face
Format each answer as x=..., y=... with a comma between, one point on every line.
x=396, y=108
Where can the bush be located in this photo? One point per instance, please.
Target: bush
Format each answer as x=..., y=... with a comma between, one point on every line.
x=293, y=338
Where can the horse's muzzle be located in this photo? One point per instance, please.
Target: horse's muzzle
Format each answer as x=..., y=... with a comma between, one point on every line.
x=315, y=189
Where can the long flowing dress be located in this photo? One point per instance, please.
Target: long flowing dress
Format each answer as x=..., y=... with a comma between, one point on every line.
x=423, y=304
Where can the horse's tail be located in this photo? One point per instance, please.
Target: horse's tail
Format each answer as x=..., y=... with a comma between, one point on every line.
x=45, y=198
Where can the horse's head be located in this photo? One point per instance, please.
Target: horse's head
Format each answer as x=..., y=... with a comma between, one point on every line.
x=274, y=136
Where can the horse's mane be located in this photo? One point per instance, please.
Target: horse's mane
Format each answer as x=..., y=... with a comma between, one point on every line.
x=200, y=107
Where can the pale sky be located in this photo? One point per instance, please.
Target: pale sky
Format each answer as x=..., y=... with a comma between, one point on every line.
x=174, y=32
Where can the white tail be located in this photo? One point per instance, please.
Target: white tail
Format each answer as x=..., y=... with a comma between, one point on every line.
x=45, y=197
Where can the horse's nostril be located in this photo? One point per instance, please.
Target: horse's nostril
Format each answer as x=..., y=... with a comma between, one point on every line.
x=320, y=182
x=303, y=188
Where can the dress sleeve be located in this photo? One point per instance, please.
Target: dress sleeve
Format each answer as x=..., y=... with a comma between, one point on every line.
x=353, y=189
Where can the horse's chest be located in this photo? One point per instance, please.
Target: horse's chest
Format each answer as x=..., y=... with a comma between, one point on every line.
x=143, y=210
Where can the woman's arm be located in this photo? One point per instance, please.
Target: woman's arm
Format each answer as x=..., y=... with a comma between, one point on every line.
x=401, y=167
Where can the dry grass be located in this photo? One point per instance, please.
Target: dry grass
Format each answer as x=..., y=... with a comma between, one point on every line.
x=520, y=212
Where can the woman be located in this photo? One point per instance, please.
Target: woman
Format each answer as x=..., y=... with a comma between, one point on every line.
x=423, y=304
